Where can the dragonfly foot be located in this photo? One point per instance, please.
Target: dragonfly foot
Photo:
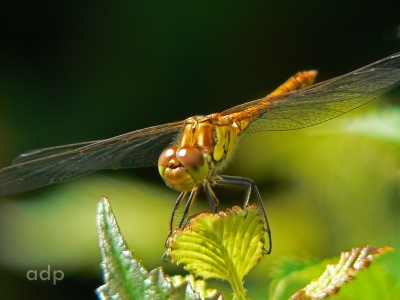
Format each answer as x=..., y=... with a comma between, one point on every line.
x=165, y=257
x=246, y=211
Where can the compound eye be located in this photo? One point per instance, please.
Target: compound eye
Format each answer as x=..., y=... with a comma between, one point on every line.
x=166, y=156
x=193, y=160
x=190, y=157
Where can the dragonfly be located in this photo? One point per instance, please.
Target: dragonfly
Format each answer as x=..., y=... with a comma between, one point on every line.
x=190, y=154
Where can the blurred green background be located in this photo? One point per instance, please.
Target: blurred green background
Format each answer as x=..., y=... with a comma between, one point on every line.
x=83, y=70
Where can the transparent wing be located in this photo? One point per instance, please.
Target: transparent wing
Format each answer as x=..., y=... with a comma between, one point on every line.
x=44, y=152
x=293, y=110
x=320, y=102
x=37, y=168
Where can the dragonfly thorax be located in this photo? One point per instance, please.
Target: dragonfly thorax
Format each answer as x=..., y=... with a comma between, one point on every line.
x=183, y=168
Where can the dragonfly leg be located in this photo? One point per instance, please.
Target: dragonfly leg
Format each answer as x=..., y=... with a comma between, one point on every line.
x=211, y=197
x=171, y=220
x=189, y=203
x=212, y=200
x=213, y=203
x=176, y=205
x=182, y=195
x=250, y=186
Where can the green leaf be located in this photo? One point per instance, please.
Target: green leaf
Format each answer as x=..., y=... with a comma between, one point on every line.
x=126, y=278
x=189, y=288
x=381, y=281
x=336, y=275
x=226, y=245
x=292, y=274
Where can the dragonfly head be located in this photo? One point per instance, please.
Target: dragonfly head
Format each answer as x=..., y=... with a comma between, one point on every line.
x=183, y=168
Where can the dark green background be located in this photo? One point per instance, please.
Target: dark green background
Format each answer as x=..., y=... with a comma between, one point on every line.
x=86, y=70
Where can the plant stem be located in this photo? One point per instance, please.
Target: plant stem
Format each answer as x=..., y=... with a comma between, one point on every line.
x=237, y=286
